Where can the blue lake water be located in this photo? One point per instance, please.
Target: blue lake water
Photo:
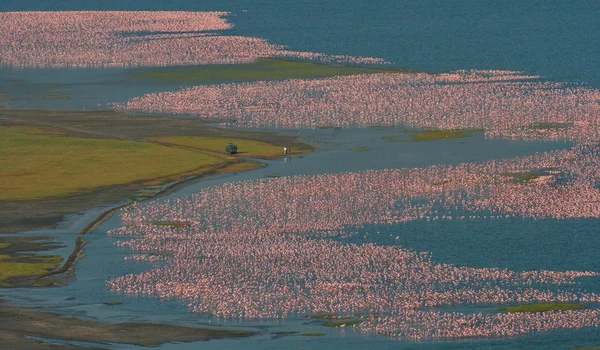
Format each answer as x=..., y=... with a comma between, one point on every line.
x=554, y=39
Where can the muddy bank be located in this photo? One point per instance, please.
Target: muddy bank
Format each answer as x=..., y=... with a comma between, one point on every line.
x=27, y=215
x=18, y=322
x=21, y=269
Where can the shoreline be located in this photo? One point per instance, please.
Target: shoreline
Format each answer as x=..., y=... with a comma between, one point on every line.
x=167, y=190
x=25, y=322
x=53, y=211
x=19, y=322
x=25, y=215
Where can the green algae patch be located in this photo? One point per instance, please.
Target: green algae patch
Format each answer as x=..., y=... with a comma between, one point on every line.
x=285, y=333
x=262, y=69
x=174, y=224
x=113, y=303
x=341, y=323
x=36, y=165
x=313, y=334
x=324, y=316
x=24, y=266
x=548, y=126
x=434, y=135
x=525, y=177
x=361, y=149
x=390, y=138
x=543, y=307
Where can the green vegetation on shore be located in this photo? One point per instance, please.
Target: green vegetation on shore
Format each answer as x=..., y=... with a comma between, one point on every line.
x=246, y=148
x=261, y=69
x=239, y=167
x=20, y=266
x=543, y=307
x=36, y=166
x=41, y=163
x=23, y=266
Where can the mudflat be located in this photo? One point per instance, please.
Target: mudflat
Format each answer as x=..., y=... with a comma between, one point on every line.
x=18, y=322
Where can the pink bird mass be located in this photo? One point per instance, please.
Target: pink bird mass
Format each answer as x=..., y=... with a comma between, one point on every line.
x=274, y=248
x=505, y=104
x=106, y=39
x=280, y=248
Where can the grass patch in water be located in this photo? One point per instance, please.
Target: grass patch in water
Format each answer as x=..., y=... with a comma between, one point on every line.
x=525, y=176
x=339, y=323
x=548, y=126
x=36, y=163
x=313, y=334
x=285, y=333
x=391, y=138
x=174, y=224
x=434, y=135
x=361, y=149
x=20, y=266
x=261, y=69
x=323, y=316
x=543, y=307
x=113, y=303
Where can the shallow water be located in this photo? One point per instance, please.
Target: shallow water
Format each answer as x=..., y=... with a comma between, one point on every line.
x=555, y=40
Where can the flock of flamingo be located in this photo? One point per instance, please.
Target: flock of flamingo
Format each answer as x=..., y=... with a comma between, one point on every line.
x=504, y=104
x=106, y=39
x=272, y=248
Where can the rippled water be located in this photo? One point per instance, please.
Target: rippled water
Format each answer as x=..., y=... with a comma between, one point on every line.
x=555, y=40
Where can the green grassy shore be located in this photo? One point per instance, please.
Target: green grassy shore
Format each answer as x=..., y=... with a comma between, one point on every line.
x=40, y=162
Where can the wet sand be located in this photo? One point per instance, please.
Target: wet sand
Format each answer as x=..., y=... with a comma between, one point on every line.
x=17, y=322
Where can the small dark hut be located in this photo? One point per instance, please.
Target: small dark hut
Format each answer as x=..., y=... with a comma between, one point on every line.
x=231, y=149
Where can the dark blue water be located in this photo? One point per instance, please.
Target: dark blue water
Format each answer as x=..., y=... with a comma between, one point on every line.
x=556, y=39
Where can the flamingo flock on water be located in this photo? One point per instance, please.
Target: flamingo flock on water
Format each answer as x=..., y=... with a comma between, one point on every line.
x=272, y=248
x=91, y=39
x=503, y=103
